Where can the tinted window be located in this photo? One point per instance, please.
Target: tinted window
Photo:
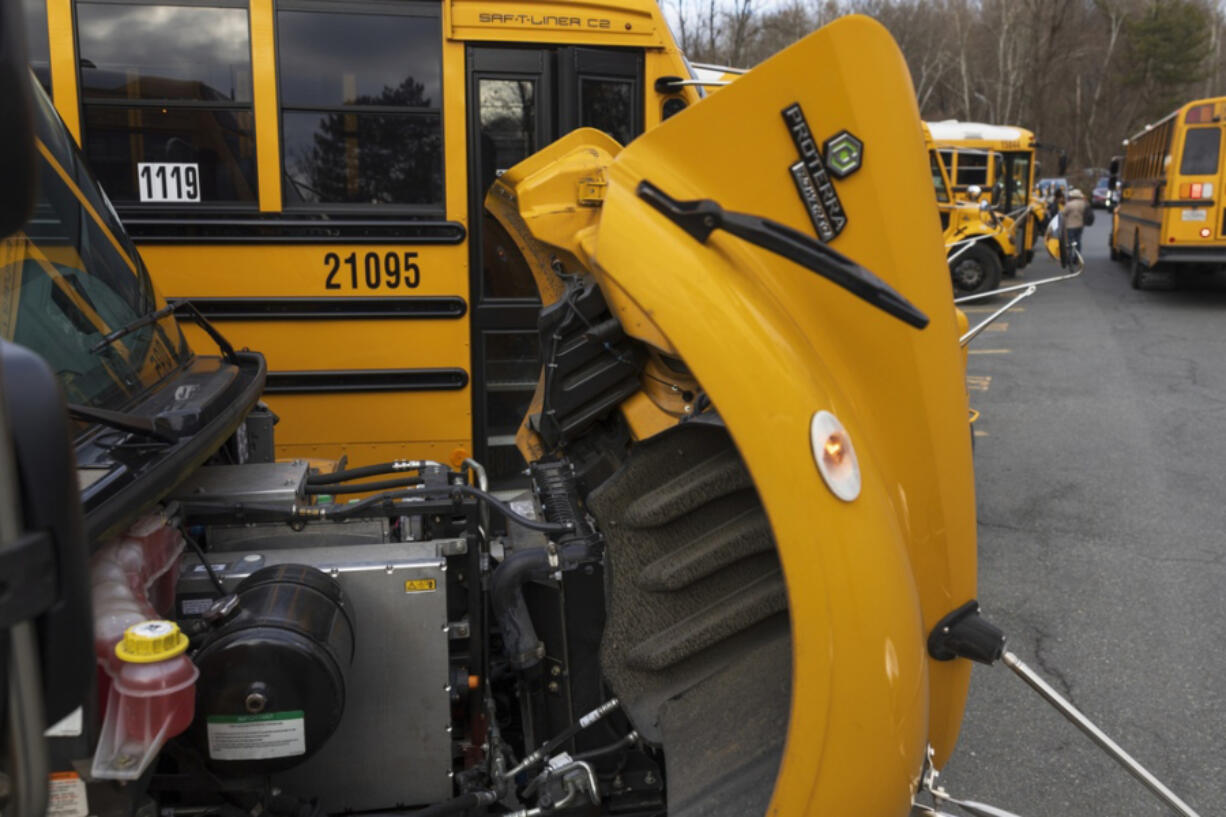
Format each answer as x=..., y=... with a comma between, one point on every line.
x=358, y=59
x=221, y=144
x=164, y=52
x=38, y=49
x=361, y=102
x=607, y=104
x=362, y=159
x=1200, y=151
x=167, y=91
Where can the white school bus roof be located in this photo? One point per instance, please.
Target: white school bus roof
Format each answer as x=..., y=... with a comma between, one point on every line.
x=950, y=130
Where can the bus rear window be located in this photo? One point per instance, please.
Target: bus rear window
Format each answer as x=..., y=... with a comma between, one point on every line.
x=1200, y=151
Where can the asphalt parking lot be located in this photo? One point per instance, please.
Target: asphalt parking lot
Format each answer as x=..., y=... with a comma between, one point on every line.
x=1101, y=477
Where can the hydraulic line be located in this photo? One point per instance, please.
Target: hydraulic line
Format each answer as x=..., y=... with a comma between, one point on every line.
x=548, y=747
x=394, y=467
x=609, y=748
x=382, y=485
x=280, y=512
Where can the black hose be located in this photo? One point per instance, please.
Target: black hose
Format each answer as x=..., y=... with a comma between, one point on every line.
x=208, y=568
x=381, y=485
x=507, y=602
x=349, y=474
x=450, y=490
x=271, y=511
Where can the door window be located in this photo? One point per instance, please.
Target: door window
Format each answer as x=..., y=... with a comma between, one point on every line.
x=361, y=102
x=166, y=94
x=608, y=104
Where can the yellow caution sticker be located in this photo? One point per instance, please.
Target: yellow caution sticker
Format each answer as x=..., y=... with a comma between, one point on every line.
x=420, y=585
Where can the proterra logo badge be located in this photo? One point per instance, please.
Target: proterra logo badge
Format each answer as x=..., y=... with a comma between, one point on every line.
x=843, y=153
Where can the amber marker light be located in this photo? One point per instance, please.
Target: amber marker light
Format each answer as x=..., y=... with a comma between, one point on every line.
x=835, y=456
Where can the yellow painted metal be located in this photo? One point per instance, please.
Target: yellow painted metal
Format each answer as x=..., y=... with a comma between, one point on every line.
x=264, y=103
x=635, y=23
x=772, y=343
x=64, y=65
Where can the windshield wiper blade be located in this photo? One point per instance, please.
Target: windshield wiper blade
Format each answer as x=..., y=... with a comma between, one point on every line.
x=155, y=427
x=700, y=217
x=132, y=326
x=227, y=351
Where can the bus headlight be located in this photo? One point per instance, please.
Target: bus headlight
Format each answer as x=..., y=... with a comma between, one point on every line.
x=835, y=456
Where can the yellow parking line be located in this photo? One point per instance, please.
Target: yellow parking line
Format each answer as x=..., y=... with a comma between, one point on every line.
x=999, y=326
x=990, y=351
x=979, y=433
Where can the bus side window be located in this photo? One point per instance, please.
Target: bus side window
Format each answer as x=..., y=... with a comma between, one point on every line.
x=361, y=104
x=1200, y=151
x=166, y=94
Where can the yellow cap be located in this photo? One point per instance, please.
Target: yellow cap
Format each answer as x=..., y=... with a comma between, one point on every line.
x=151, y=641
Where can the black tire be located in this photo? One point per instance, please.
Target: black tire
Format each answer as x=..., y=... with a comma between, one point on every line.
x=1138, y=273
x=976, y=270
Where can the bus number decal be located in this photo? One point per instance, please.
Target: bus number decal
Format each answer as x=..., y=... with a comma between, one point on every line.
x=372, y=270
x=168, y=181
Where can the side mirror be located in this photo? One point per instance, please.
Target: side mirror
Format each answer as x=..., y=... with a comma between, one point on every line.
x=45, y=613
x=974, y=191
x=17, y=160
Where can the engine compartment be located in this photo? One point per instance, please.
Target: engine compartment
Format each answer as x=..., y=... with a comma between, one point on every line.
x=432, y=645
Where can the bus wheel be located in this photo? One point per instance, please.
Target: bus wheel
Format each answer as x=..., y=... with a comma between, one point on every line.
x=1138, y=273
x=976, y=270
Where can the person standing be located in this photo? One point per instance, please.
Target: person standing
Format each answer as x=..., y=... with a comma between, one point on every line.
x=1074, y=217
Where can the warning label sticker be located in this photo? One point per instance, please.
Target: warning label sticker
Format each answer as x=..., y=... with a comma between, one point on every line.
x=67, y=795
x=252, y=737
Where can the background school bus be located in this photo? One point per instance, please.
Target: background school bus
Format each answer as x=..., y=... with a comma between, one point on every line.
x=311, y=177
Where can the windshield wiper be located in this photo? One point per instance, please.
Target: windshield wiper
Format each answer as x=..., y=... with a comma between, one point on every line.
x=130, y=327
x=155, y=427
x=227, y=351
x=700, y=217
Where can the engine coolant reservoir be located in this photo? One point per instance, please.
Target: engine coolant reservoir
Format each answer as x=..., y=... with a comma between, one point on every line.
x=152, y=699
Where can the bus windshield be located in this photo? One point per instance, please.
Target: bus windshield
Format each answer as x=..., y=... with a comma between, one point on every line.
x=71, y=276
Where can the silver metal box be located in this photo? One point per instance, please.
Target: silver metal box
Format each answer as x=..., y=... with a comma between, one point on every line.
x=253, y=482
x=392, y=746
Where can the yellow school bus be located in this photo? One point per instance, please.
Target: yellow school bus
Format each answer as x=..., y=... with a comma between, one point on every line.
x=310, y=175
x=1000, y=161
x=977, y=239
x=1170, y=210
